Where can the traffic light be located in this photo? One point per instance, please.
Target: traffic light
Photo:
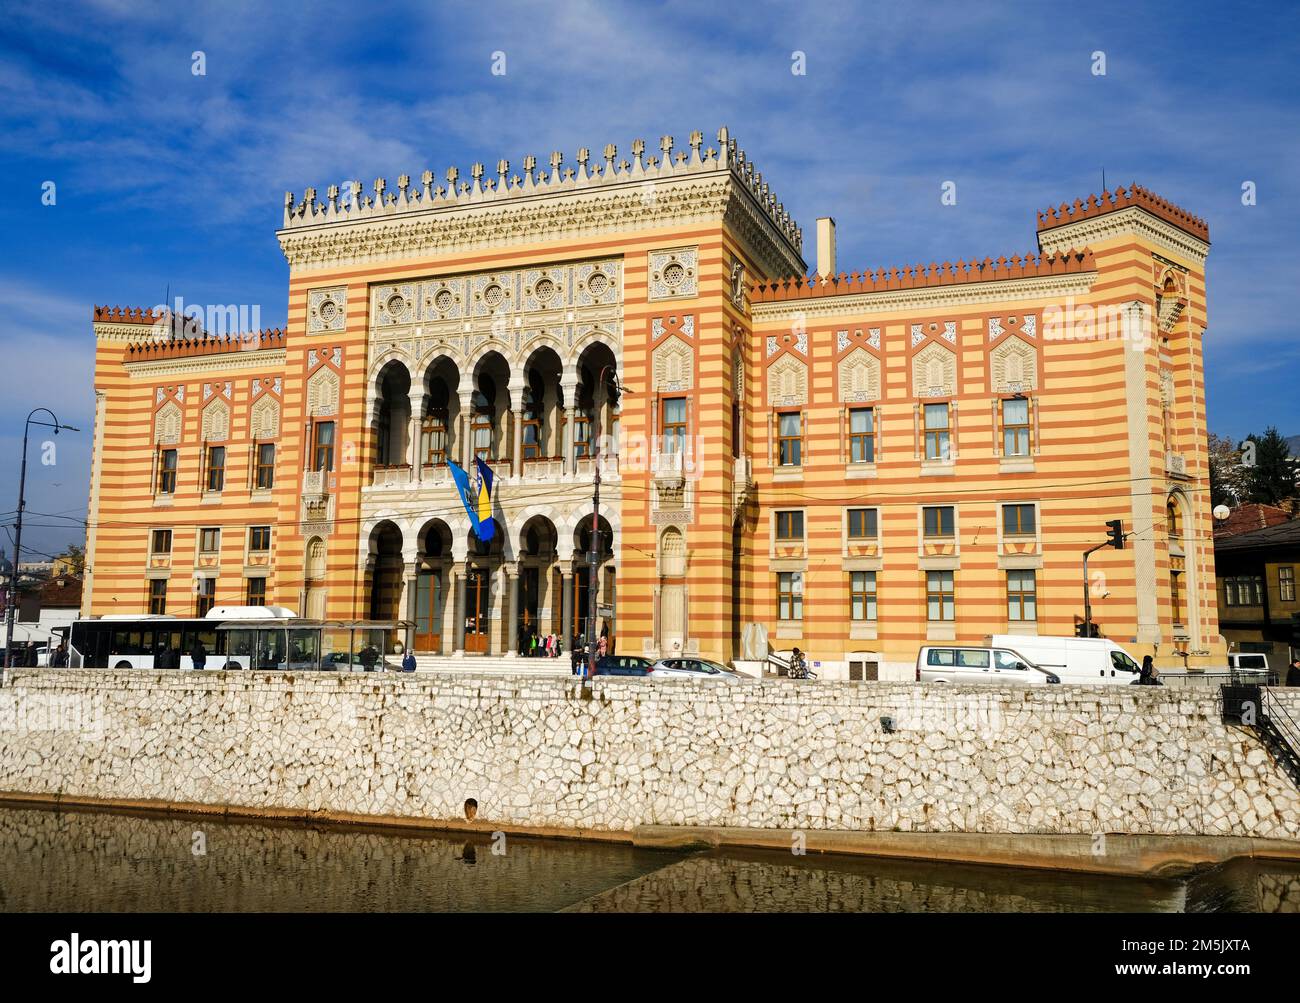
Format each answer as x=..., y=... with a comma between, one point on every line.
x=1115, y=533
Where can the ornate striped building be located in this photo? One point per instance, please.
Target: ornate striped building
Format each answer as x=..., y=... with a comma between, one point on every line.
x=858, y=462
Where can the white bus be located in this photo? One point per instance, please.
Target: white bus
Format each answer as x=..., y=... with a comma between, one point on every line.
x=232, y=637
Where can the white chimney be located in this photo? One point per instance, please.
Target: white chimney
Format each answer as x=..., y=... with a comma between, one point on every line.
x=825, y=246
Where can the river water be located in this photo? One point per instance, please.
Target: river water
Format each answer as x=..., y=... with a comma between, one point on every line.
x=93, y=861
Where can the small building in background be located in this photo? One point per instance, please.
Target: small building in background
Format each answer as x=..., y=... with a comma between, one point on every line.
x=1258, y=606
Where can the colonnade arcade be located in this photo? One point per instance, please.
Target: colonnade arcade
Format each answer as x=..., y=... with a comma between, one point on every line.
x=534, y=419
x=463, y=596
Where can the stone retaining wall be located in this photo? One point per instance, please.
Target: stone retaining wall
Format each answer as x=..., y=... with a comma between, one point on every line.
x=627, y=752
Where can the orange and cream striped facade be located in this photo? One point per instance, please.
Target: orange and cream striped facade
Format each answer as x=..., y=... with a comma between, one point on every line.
x=858, y=463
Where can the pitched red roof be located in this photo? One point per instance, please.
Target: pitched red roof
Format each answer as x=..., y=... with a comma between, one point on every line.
x=1250, y=516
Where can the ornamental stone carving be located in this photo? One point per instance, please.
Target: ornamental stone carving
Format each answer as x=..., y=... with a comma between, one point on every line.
x=934, y=372
x=167, y=424
x=674, y=365
x=264, y=421
x=787, y=382
x=327, y=309
x=673, y=273
x=323, y=393
x=859, y=377
x=395, y=304
x=216, y=422
x=1013, y=366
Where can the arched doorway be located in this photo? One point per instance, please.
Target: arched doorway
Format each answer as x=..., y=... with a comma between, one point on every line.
x=580, y=603
x=671, y=621
x=539, y=600
x=482, y=563
x=431, y=592
x=314, y=579
x=385, y=572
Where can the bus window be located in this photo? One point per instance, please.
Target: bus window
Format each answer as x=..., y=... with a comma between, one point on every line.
x=304, y=649
x=270, y=648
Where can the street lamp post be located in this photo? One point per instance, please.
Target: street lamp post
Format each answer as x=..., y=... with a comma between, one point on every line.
x=11, y=610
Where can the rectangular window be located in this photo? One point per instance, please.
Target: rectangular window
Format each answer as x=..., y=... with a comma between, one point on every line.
x=862, y=435
x=789, y=596
x=581, y=434
x=939, y=604
x=157, y=596
x=735, y=429
x=216, y=468
x=789, y=441
x=209, y=541
x=1022, y=596
x=862, y=595
x=672, y=422
x=161, y=542
x=532, y=425
x=1015, y=427
x=1243, y=590
x=435, y=438
x=789, y=525
x=937, y=442
x=259, y=538
x=167, y=472
x=1176, y=595
x=862, y=524
x=265, y=466
x=207, y=596
x=938, y=520
x=255, y=594
x=1018, y=520
x=322, y=455
x=1286, y=584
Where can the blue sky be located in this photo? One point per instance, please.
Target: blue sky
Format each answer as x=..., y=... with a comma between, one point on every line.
x=170, y=180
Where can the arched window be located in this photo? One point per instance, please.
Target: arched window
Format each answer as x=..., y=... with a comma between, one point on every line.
x=484, y=419
x=672, y=549
x=315, y=563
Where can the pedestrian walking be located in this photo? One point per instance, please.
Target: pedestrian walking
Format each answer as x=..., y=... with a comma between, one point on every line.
x=602, y=645
x=199, y=655
x=1293, y=673
x=1147, y=674
x=60, y=658
x=408, y=661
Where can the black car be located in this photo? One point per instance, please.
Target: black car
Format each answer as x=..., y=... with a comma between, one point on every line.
x=623, y=665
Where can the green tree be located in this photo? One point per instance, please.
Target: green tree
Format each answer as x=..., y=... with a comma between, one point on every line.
x=1226, y=472
x=76, y=558
x=1271, y=477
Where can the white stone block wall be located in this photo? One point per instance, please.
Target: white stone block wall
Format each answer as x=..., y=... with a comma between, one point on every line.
x=541, y=752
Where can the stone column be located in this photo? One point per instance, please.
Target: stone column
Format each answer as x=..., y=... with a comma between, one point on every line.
x=458, y=622
x=517, y=446
x=465, y=421
x=566, y=606
x=413, y=455
x=512, y=627
x=569, y=388
x=411, y=571
x=447, y=624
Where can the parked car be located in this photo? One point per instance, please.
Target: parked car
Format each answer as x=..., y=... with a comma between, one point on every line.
x=694, y=668
x=960, y=663
x=1095, y=661
x=624, y=665
x=1252, y=664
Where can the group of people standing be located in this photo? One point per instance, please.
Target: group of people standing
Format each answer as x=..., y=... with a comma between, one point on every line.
x=541, y=646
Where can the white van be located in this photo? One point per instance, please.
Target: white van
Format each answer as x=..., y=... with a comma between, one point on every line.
x=971, y=663
x=1095, y=661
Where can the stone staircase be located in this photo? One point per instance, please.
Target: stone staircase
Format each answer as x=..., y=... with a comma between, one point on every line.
x=496, y=665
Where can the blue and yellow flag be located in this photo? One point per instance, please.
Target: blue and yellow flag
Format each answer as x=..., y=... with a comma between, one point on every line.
x=477, y=498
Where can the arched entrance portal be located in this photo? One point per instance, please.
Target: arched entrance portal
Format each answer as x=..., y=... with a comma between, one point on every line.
x=385, y=572
x=580, y=604
x=481, y=565
x=539, y=600
x=431, y=587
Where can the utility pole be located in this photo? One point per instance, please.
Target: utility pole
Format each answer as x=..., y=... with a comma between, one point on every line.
x=11, y=610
